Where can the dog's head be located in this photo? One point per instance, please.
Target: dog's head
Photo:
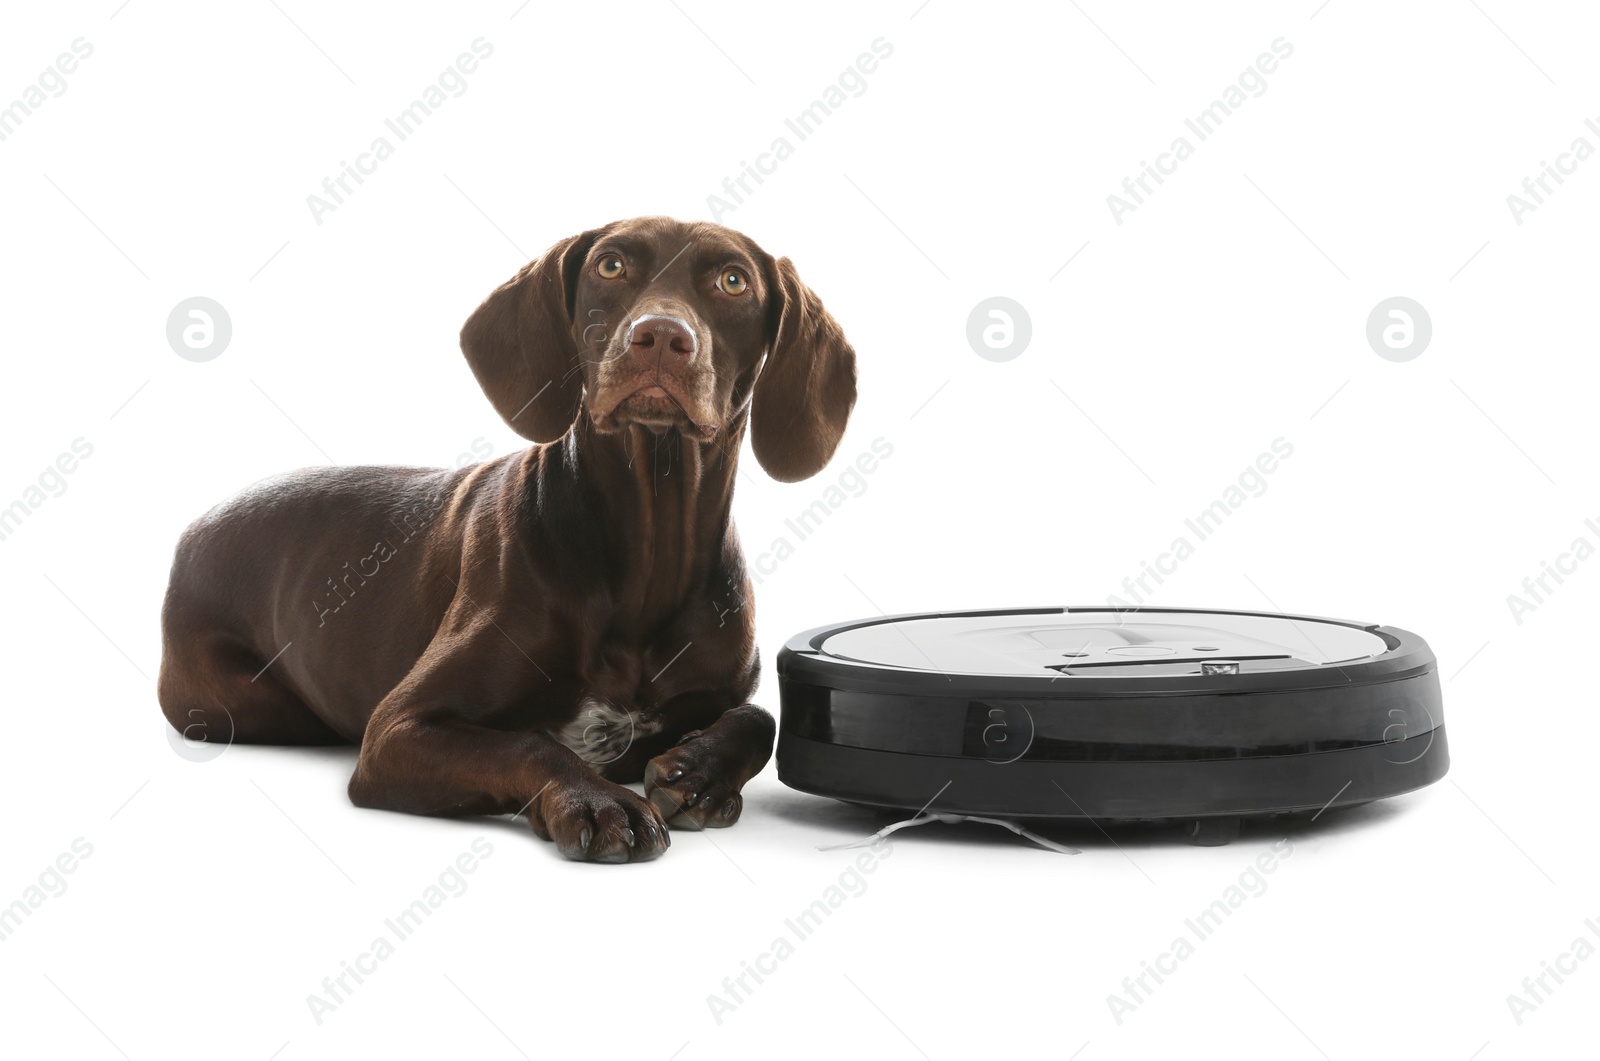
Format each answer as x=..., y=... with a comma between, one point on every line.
x=671, y=326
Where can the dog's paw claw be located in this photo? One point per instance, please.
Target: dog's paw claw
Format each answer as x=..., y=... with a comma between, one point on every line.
x=689, y=793
x=601, y=823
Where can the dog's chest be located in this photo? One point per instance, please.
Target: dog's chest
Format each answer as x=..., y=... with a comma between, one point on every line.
x=602, y=732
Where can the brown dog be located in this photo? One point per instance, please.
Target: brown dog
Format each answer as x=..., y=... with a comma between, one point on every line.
x=521, y=635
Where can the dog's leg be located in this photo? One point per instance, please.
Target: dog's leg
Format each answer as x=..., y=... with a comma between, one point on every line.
x=424, y=753
x=214, y=689
x=448, y=766
x=696, y=784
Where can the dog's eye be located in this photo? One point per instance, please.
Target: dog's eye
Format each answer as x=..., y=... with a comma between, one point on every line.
x=609, y=267
x=732, y=282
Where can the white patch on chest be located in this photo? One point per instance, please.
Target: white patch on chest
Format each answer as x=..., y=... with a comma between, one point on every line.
x=601, y=732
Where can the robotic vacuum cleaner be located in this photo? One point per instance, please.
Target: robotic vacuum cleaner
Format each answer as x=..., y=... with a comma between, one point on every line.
x=1152, y=714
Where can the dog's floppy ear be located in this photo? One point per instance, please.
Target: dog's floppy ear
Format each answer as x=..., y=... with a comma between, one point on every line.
x=807, y=387
x=520, y=345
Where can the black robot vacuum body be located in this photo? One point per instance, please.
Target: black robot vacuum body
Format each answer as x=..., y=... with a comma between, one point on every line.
x=1154, y=714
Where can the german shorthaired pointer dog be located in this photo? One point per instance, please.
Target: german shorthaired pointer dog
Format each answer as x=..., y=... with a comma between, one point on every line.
x=523, y=635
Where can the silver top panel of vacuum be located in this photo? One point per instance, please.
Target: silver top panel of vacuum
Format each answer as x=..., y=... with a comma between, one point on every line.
x=1106, y=644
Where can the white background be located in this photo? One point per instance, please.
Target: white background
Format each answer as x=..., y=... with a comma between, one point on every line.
x=1227, y=311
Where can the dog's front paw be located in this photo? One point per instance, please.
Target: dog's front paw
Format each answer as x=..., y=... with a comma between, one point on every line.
x=692, y=789
x=600, y=822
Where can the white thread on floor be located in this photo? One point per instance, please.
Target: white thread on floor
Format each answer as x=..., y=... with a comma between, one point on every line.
x=952, y=819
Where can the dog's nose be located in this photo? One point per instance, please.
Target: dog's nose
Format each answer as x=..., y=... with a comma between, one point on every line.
x=661, y=338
